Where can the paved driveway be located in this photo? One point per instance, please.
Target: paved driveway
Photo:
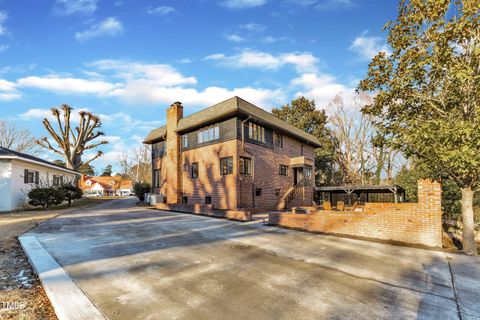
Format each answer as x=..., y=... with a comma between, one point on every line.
x=135, y=263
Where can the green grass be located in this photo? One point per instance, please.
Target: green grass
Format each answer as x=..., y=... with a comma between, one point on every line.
x=84, y=202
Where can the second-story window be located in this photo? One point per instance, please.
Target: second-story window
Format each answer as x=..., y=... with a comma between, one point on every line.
x=208, y=134
x=256, y=132
x=283, y=170
x=277, y=140
x=226, y=165
x=195, y=170
x=185, y=141
x=245, y=165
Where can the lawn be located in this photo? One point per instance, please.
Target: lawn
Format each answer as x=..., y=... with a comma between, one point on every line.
x=21, y=294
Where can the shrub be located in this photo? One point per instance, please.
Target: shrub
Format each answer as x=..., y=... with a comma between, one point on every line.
x=45, y=196
x=140, y=188
x=71, y=192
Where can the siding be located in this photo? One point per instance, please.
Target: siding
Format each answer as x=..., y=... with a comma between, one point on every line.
x=5, y=185
x=268, y=134
x=227, y=130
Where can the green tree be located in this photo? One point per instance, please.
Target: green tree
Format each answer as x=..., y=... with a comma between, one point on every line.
x=85, y=168
x=107, y=172
x=428, y=92
x=71, y=192
x=303, y=114
x=140, y=188
x=41, y=196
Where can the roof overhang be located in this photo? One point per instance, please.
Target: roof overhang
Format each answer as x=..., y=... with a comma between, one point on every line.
x=52, y=166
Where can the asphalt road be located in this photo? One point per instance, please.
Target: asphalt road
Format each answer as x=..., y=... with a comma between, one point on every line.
x=136, y=263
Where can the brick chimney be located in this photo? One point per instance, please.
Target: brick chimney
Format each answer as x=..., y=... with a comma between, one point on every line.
x=173, y=165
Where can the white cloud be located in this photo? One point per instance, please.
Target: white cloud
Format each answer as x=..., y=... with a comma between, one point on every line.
x=234, y=38
x=367, y=47
x=321, y=87
x=323, y=4
x=303, y=62
x=3, y=18
x=8, y=91
x=69, y=7
x=109, y=27
x=161, y=10
x=4, y=47
x=68, y=85
x=242, y=4
x=254, y=27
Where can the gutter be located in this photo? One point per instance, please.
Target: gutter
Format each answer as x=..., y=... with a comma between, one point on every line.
x=41, y=164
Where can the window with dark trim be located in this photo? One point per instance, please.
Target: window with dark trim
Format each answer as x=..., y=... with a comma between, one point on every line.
x=208, y=134
x=226, y=165
x=258, y=192
x=184, y=200
x=245, y=165
x=277, y=140
x=156, y=178
x=185, y=141
x=277, y=192
x=256, y=132
x=30, y=176
x=283, y=170
x=195, y=170
x=308, y=176
x=57, y=180
x=208, y=200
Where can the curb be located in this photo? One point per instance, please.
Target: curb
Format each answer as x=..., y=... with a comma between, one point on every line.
x=68, y=300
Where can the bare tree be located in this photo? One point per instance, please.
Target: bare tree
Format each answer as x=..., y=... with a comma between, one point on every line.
x=137, y=164
x=20, y=140
x=72, y=142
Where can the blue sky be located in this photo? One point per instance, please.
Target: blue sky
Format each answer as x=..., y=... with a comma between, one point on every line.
x=128, y=60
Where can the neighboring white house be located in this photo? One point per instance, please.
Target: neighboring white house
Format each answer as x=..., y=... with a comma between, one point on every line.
x=19, y=172
x=106, y=186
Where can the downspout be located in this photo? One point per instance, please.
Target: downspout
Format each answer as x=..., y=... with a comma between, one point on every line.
x=253, y=159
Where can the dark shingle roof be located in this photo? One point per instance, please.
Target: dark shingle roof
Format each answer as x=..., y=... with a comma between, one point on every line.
x=233, y=106
x=7, y=153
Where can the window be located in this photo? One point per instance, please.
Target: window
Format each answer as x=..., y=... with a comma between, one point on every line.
x=31, y=176
x=158, y=149
x=184, y=141
x=57, y=180
x=258, y=192
x=88, y=183
x=184, y=200
x=256, y=132
x=195, y=170
x=283, y=170
x=208, y=200
x=277, y=140
x=277, y=192
x=308, y=176
x=208, y=134
x=185, y=167
x=245, y=165
x=156, y=178
x=226, y=165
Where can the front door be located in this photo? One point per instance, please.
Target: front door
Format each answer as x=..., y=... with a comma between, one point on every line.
x=297, y=175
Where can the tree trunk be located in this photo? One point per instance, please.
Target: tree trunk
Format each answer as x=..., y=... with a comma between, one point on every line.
x=469, y=245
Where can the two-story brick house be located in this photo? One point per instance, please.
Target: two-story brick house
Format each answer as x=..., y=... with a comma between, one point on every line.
x=233, y=155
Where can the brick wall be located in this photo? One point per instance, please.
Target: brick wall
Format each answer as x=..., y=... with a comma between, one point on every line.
x=415, y=223
x=266, y=162
x=222, y=188
x=206, y=210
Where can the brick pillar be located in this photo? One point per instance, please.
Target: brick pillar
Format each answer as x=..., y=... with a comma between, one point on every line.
x=430, y=209
x=173, y=160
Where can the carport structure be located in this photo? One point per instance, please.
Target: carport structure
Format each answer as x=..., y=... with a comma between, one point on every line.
x=363, y=193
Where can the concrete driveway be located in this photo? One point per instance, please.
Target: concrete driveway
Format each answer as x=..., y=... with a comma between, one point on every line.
x=136, y=263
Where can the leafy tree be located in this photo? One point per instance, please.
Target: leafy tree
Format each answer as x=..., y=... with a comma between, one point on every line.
x=41, y=196
x=107, y=172
x=303, y=114
x=71, y=192
x=140, y=188
x=86, y=169
x=72, y=142
x=428, y=94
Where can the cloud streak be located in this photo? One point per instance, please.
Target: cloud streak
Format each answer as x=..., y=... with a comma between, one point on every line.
x=110, y=27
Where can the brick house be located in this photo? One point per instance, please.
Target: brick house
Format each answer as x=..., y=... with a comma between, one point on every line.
x=233, y=155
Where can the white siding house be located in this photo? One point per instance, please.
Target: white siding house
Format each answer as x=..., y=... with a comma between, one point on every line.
x=19, y=172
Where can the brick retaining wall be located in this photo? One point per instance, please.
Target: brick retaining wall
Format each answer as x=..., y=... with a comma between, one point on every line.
x=206, y=210
x=415, y=223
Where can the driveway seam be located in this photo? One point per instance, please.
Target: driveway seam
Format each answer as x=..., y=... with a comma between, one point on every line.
x=452, y=277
